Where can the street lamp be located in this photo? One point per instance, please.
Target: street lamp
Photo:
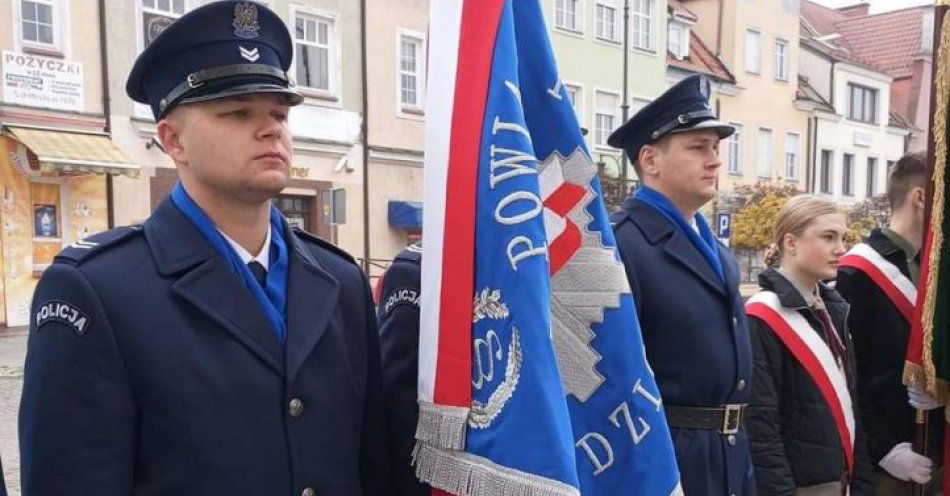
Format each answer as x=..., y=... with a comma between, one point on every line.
x=625, y=108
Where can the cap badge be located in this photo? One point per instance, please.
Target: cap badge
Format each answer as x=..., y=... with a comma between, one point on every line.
x=245, y=21
x=704, y=86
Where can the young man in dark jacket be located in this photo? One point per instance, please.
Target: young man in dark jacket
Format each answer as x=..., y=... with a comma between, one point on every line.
x=881, y=266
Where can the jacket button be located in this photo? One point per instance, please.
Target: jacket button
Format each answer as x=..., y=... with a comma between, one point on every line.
x=741, y=385
x=296, y=410
x=308, y=491
x=735, y=321
x=731, y=440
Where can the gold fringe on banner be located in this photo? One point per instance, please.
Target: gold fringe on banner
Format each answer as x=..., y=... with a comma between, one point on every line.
x=942, y=95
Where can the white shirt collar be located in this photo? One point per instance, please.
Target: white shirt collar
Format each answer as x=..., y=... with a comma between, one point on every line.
x=262, y=258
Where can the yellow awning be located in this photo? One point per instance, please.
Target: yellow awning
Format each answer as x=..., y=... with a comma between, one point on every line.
x=74, y=151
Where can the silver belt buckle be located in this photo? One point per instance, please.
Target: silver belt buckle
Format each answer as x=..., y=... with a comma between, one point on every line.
x=732, y=419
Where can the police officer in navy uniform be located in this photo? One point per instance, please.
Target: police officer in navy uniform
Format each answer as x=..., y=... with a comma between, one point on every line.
x=398, y=312
x=685, y=285
x=213, y=349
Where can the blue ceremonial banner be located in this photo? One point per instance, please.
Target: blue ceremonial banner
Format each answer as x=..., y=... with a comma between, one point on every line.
x=562, y=398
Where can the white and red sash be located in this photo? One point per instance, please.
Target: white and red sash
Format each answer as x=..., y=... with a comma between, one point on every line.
x=898, y=287
x=815, y=356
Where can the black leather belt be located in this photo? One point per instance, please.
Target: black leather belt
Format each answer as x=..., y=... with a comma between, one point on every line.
x=727, y=419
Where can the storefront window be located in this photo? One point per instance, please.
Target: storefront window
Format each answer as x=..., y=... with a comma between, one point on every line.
x=296, y=209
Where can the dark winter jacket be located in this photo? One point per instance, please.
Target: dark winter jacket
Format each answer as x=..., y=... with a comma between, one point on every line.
x=793, y=436
x=880, y=335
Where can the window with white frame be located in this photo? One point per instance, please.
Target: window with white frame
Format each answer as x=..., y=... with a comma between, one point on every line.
x=574, y=95
x=781, y=59
x=606, y=20
x=791, y=156
x=643, y=13
x=862, y=103
x=313, y=45
x=605, y=119
x=410, y=72
x=678, y=40
x=567, y=15
x=40, y=26
x=37, y=24
x=765, y=147
x=847, y=175
x=888, y=167
x=827, y=171
x=871, y=177
x=753, y=51
x=734, y=150
x=158, y=15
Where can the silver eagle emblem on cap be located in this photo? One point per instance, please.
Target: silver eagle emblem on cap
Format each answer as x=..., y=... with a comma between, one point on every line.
x=245, y=21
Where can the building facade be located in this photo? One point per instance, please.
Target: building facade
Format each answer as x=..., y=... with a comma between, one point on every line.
x=396, y=68
x=587, y=37
x=856, y=135
x=56, y=159
x=900, y=44
x=757, y=40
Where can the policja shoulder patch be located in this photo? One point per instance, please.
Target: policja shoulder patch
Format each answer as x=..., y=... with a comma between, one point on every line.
x=61, y=311
x=402, y=296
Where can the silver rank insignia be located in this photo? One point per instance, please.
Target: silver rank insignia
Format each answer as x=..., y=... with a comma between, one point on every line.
x=245, y=21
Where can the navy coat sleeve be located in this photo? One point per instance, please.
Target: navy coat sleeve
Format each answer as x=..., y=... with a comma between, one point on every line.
x=773, y=473
x=624, y=248
x=374, y=459
x=75, y=394
x=399, y=341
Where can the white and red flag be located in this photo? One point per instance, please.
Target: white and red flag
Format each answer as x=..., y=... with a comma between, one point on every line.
x=533, y=377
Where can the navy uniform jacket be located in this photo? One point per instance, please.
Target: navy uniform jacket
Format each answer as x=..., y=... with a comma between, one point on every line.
x=399, y=344
x=697, y=342
x=151, y=370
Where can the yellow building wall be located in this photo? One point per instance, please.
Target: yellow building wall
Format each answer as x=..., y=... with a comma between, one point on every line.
x=86, y=211
x=762, y=100
x=81, y=211
x=17, y=235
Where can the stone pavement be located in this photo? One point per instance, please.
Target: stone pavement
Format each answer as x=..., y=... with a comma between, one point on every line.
x=12, y=352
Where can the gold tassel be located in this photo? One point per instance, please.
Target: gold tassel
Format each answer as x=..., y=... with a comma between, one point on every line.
x=942, y=95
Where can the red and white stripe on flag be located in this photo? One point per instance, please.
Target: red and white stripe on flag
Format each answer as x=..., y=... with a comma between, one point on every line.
x=461, y=34
x=815, y=356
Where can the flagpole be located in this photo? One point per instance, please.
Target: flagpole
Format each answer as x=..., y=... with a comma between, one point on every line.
x=940, y=10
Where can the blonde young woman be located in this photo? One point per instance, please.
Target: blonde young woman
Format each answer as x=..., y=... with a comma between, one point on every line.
x=804, y=429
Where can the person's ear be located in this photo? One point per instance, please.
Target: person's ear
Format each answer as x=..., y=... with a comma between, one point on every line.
x=169, y=135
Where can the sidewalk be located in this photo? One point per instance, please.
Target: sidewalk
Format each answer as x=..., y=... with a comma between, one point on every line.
x=12, y=352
